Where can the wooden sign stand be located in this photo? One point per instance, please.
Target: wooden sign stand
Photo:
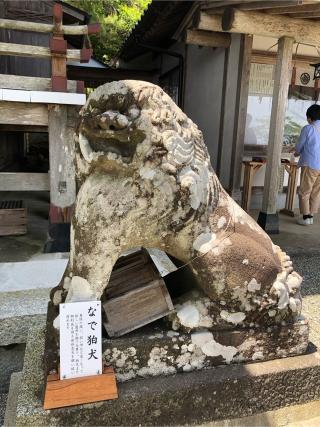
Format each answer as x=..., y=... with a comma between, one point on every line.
x=76, y=391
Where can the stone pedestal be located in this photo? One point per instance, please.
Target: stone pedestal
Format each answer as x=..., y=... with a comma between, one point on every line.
x=215, y=393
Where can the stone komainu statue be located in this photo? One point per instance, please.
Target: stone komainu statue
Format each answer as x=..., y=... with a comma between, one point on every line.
x=144, y=179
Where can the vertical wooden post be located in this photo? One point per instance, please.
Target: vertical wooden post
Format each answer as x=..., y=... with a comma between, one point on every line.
x=234, y=111
x=268, y=217
x=228, y=111
x=62, y=176
x=241, y=116
x=58, y=47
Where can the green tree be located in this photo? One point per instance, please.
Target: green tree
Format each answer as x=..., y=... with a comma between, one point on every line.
x=117, y=18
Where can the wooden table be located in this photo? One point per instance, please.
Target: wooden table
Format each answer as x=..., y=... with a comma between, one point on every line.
x=250, y=169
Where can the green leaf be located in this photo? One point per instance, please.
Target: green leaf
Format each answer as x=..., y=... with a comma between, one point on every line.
x=117, y=18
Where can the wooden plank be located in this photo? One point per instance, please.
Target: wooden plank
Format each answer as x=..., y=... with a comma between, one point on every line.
x=21, y=113
x=208, y=38
x=76, y=391
x=137, y=308
x=11, y=217
x=241, y=115
x=279, y=101
x=47, y=28
x=262, y=24
x=12, y=230
x=13, y=49
x=61, y=152
x=8, y=81
x=24, y=181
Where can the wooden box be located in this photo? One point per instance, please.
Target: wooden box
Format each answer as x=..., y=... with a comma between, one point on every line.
x=13, y=218
x=135, y=296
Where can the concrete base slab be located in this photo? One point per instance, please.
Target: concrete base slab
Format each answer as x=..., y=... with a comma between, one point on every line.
x=213, y=394
x=19, y=311
x=11, y=408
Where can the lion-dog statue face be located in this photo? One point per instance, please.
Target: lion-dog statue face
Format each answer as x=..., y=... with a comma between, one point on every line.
x=144, y=179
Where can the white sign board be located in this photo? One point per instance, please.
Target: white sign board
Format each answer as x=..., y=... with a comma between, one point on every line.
x=80, y=339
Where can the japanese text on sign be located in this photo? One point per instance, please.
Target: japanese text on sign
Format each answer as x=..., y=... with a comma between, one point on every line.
x=80, y=339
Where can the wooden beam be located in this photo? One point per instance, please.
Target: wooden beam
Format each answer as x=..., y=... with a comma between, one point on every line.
x=22, y=113
x=279, y=102
x=268, y=57
x=267, y=5
x=307, y=15
x=13, y=49
x=23, y=128
x=208, y=38
x=224, y=3
x=8, y=81
x=250, y=4
x=20, y=181
x=48, y=28
x=262, y=24
x=303, y=8
x=208, y=22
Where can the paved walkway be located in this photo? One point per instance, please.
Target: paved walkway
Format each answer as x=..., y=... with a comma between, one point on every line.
x=303, y=244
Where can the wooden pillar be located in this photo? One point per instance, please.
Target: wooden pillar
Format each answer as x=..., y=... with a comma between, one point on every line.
x=62, y=176
x=268, y=217
x=241, y=116
x=58, y=47
x=228, y=111
x=234, y=112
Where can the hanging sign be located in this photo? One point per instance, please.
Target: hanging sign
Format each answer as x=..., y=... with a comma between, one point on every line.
x=261, y=80
x=80, y=339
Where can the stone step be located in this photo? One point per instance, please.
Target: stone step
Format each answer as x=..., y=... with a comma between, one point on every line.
x=19, y=311
x=193, y=398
